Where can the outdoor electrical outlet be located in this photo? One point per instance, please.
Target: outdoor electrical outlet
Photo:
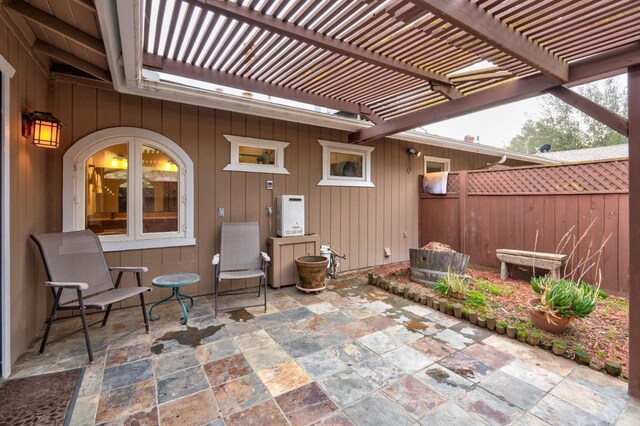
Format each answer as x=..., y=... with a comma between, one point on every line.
x=404, y=234
x=387, y=252
x=269, y=211
x=270, y=187
x=220, y=211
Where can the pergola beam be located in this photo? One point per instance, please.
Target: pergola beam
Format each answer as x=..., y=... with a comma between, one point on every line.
x=54, y=24
x=634, y=230
x=511, y=91
x=72, y=60
x=611, y=119
x=483, y=26
x=208, y=75
x=246, y=15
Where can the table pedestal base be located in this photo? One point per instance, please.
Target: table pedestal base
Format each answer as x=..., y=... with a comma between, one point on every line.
x=178, y=296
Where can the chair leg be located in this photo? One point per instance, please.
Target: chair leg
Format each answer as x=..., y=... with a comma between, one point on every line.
x=215, y=301
x=264, y=281
x=85, y=326
x=144, y=312
x=106, y=316
x=52, y=317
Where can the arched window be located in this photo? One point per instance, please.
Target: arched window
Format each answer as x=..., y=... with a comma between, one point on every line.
x=132, y=187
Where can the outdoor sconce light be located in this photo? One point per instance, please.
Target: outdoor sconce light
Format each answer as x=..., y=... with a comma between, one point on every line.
x=44, y=127
x=413, y=152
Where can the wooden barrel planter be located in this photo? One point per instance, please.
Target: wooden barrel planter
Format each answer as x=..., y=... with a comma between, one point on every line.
x=429, y=266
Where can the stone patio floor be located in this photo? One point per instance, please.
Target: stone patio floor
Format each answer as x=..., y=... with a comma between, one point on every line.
x=352, y=354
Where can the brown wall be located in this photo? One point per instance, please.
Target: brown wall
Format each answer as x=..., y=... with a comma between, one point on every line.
x=357, y=221
x=28, y=194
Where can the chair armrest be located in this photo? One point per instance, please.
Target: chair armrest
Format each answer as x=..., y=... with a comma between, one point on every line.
x=129, y=269
x=265, y=257
x=216, y=260
x=76, y=286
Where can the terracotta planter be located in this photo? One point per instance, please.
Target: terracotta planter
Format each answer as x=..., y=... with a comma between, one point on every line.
x=540, y=320
x=312, y=270
x=457, y=296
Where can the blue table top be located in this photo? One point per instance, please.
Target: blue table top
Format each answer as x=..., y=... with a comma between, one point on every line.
x=176, y=279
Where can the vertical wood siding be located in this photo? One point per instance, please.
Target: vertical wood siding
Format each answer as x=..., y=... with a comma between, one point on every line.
x=360, y=222
x=29, y=210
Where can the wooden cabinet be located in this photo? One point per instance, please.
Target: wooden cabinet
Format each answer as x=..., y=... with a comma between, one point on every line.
x=283, y=252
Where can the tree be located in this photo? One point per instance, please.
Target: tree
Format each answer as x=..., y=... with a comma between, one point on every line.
x=564, y=127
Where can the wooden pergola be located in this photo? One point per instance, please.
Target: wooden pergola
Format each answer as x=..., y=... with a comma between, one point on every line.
x=399, y=63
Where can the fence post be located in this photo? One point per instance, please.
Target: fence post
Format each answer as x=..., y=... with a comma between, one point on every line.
x=462, y=212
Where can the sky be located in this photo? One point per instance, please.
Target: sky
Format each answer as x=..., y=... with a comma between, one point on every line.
x=495, y=126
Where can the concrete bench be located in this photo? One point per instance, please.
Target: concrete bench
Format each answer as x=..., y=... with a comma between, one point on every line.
x=550, y=261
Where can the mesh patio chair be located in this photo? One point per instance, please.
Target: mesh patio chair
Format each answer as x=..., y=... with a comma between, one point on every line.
x=80, y=279
x=240, y=258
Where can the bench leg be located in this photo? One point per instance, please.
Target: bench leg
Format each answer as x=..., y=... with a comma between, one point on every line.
x=504, y=271
x=555, y=274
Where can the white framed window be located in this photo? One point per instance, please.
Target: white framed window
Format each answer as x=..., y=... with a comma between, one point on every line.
x=345, y=164
x=256, y=155
x=132, y=187
x=436, y=164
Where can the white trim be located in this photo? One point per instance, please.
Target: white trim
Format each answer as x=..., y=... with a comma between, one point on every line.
x=117, y=23
x=5, y=244
x=147, y=244
x=73, y=213
x=362, y=150
x=236, y=165
x=445, y=161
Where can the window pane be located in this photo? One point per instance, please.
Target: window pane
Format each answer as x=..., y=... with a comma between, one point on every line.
x=346, y=165
x=106, y=186
x=434, y=166
x=159, y=191
x=253, y=155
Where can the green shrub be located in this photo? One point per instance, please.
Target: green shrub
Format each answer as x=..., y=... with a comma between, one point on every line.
x=486, y=286
x=564, y=298
x=475, y=299
x=452, y=283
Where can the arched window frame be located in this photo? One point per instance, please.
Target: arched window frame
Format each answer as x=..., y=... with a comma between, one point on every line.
x=74, y=190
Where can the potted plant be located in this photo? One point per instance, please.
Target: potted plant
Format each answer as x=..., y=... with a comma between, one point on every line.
x=511, y=331
x=559, y=301
x=559, y=348
x=452, y=285
x=501, y=327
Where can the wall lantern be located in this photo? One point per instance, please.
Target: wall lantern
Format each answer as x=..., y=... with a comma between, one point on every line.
x=412, y=152
x=44, y=128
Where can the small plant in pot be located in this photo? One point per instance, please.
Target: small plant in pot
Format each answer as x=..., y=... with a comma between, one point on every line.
x=501, y=327
x=453, y=285
x=559, y=302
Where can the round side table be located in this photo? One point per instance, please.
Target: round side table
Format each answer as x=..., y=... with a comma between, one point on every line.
x=174, y=281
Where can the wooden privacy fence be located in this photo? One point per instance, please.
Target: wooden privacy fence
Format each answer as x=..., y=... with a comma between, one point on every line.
x=486, y=210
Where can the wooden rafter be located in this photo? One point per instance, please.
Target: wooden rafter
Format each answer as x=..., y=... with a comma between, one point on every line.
x=483, y=26
x=295, y=32
x=72, y=60
x=592, y=109
x=510, y=91
x=69, y=31
x=180, y=68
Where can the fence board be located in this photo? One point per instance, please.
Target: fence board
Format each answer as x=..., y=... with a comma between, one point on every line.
x=505, y=208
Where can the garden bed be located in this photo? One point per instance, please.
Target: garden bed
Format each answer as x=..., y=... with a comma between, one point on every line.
x=604, y=335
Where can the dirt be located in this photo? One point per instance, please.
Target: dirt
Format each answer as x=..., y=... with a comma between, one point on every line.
x=604, y=334
x=436, y=246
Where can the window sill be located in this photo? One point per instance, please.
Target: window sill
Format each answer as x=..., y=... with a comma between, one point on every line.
x=256, y=168
x=354, y=183
x=108, y=246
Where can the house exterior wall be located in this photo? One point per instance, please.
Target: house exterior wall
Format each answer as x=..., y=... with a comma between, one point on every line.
x=359, y=222
x=28, y=211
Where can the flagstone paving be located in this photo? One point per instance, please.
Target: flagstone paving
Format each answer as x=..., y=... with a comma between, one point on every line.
x=353, y=354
